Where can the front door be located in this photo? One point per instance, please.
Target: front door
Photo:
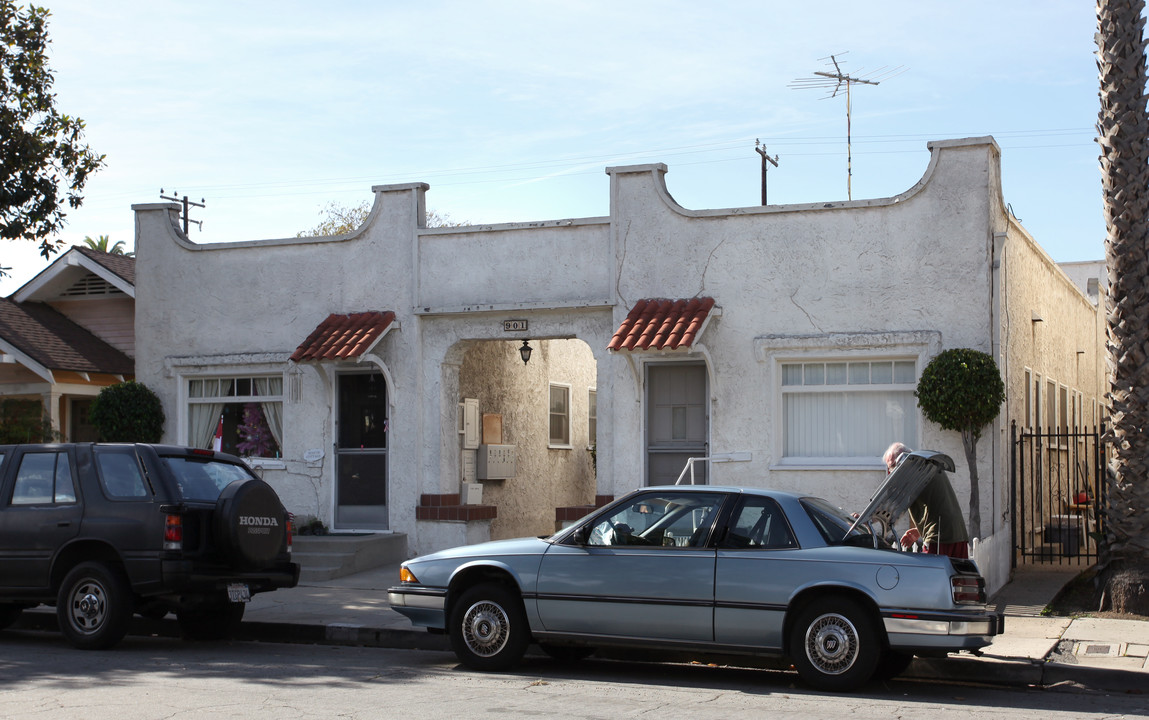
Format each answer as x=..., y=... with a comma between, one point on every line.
x=677, y=421
x=361, y=453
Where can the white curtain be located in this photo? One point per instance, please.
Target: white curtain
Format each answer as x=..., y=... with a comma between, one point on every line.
x=204, y=420
x=272, y=410
x=847, y=424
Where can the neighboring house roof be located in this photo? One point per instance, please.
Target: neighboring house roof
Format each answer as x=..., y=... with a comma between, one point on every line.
x=123, y=266
x=342, y=337
x=81, y=272
x=662, y=324
x=41, y=336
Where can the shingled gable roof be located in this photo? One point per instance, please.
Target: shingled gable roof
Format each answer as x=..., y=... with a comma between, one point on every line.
x=118, y=271
x=49, y=339
x=662, y=324
x=344, y=337
x=123, y=266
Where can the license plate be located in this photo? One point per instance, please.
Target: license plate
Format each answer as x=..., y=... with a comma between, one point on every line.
x=238, y=592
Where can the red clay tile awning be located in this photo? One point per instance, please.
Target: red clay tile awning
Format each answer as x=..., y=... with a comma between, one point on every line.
x=343, y=337
x=661, y=324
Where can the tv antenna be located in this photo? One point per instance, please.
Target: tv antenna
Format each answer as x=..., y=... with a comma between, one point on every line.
x=766, y=162
x=833, y=82
x=186, y=204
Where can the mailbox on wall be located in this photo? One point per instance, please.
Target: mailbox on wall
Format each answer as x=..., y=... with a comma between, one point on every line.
x=495, y=462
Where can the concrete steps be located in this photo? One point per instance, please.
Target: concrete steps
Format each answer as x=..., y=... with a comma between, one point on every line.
x=324, y=557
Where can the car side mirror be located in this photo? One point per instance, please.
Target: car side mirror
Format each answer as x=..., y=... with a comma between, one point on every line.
x=581, y=536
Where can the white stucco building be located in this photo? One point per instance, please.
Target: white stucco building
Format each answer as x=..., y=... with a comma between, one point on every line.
x=799, y=373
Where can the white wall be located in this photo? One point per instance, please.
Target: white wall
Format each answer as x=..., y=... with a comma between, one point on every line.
x=911, y=273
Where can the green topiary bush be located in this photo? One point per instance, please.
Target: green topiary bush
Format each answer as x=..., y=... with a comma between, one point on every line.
x=128, y=412
x=961, y=389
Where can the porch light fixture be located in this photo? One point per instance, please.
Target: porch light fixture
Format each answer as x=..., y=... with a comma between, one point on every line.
x=525, y=351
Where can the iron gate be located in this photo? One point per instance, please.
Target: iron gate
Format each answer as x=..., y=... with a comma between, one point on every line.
x=1056, y=476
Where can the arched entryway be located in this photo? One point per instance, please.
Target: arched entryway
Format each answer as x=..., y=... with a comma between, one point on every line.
x=541, y=413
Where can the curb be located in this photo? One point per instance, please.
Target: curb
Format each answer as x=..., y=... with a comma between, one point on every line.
x=989, y=670
x=304, y=634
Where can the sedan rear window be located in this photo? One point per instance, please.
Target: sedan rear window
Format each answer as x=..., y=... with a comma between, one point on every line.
x=204, y=478
x=834, y=524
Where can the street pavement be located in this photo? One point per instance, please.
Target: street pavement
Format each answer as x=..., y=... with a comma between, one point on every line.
x=1035, y=650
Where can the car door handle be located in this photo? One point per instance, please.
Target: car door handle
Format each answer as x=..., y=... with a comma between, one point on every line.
x=63, y=523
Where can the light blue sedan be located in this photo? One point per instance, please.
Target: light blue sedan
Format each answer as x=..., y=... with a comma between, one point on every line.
x=709, y=569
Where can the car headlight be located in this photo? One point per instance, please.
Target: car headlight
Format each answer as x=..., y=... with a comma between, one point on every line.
x=407, y=576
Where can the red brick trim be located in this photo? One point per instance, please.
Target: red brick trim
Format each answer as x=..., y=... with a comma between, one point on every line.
x=447, y=507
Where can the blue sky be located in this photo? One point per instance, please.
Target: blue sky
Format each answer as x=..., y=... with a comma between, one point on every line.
x=512, y=109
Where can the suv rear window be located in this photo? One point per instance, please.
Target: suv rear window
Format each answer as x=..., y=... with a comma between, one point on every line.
x=204, y=478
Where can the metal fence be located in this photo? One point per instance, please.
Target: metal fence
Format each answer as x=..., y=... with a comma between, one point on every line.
x=1057, y=478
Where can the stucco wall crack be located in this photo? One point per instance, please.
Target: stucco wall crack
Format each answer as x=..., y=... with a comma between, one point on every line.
x=808, y=316
x=706, y=267
x=621, y=264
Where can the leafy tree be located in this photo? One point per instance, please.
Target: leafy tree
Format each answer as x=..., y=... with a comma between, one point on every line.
x=43, y=161
x=338, y=219
x=1122, y=126
x=102, y=244
x=128, y=412
x=961, y=389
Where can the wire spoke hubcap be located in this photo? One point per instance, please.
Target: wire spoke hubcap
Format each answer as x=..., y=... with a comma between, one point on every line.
x=486, y=628
x=832, y=644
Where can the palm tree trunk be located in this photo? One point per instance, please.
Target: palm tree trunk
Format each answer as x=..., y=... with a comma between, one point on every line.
x=1123, y=127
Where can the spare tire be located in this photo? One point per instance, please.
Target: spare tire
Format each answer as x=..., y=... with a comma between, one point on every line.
x=250, y=524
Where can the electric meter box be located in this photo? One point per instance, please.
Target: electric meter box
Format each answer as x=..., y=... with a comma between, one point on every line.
x=495, y=462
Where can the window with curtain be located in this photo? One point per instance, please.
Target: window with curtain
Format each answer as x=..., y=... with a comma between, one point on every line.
x=847, y=411
x=238, y=415
x=560, y=416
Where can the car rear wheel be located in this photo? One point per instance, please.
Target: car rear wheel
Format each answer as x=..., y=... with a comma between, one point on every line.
x=210, y=620
x=94, y=606
x=834, y=644
x=489, y=628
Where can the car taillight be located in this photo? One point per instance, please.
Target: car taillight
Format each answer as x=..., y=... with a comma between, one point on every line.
x=290, y=529
x=173, y=532
x=968, y=590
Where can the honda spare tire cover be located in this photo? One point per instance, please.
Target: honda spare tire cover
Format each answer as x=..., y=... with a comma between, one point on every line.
x=250, y=524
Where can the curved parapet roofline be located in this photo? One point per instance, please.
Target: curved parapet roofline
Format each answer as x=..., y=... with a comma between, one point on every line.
x=658, y=173
x=179, y=238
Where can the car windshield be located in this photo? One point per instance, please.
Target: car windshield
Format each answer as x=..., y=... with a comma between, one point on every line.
x=204, y=478
x=834, y=524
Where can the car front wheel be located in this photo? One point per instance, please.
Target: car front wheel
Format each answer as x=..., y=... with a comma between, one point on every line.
x=94, y=606
x=834, y=644
x=489, y=628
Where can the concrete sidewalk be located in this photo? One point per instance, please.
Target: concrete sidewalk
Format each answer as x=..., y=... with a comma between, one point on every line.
x=1097, y=654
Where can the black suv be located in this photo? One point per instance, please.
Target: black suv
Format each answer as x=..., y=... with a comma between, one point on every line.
x=103, y=531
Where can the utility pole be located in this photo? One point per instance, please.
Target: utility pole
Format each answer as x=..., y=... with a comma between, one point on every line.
x=761, y=150
x=836, y=80
x=186, y=204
